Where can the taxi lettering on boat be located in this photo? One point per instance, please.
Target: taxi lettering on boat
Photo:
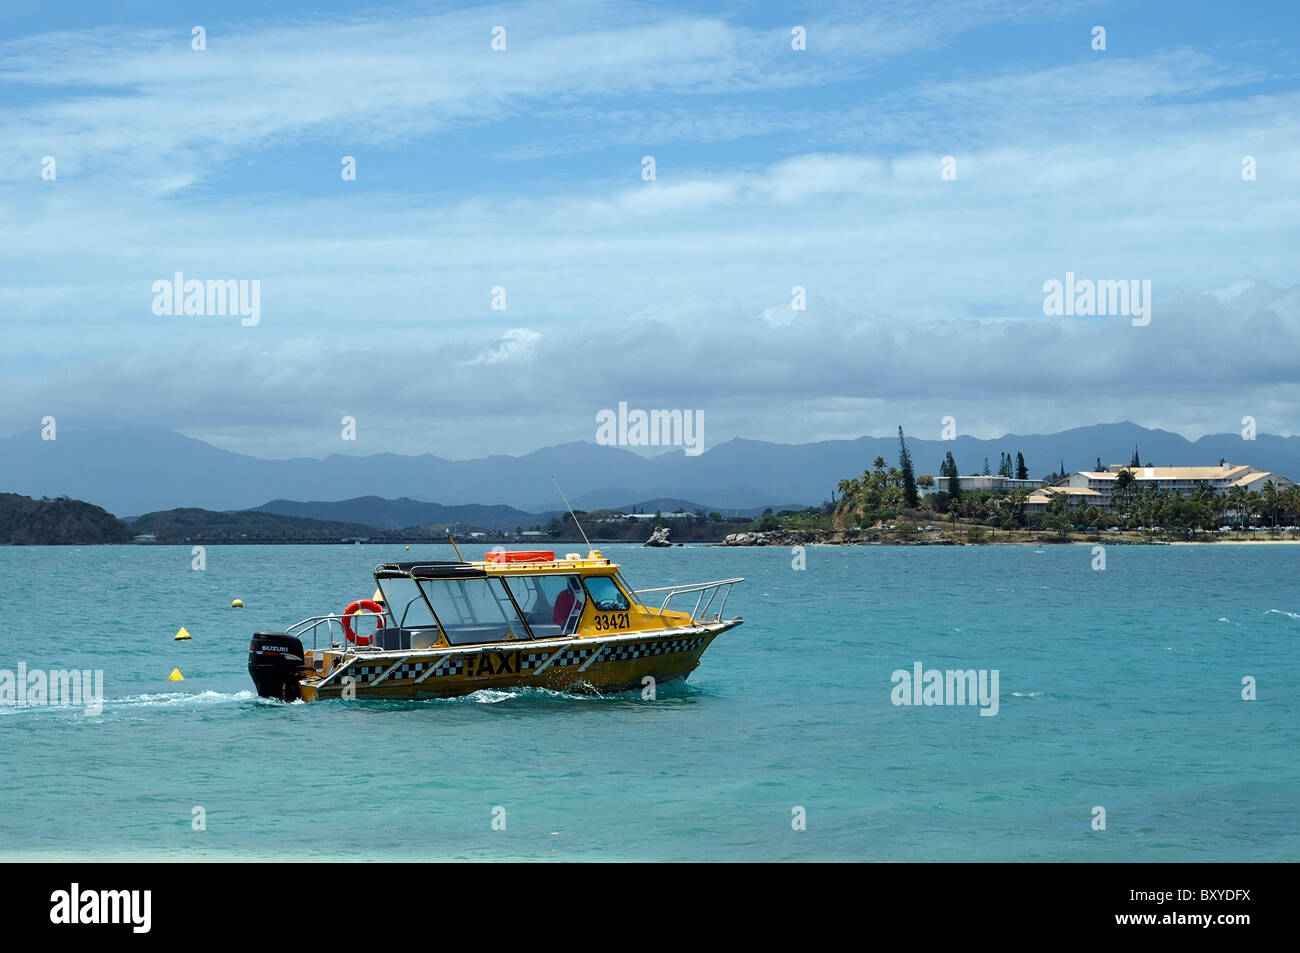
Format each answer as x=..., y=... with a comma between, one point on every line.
x=438, y=629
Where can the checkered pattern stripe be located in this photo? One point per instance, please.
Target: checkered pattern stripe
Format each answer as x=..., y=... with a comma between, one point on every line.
x=621, y=653
x=531, y=660
x=574, y=657
x=367, y=673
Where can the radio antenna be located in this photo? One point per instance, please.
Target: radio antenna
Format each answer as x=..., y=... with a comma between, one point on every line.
x=571, y=513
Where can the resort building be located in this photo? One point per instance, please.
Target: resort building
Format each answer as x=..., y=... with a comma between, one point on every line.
x=1077, y=496
x=654, y=516
x=970, y=484
x=1096, y=487
x=1220, y=479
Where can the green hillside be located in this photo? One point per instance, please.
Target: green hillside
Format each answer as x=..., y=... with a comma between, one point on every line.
x=57, y=522
x=190, y=524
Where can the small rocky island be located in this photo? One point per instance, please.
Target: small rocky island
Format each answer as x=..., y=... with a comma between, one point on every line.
x=659, y=537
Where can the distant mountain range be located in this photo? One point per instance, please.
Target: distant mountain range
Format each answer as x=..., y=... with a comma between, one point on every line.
x=185, y=523
x=404, y=513
x=141, y=471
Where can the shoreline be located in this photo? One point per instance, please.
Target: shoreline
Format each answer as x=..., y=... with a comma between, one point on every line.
x=743, y=539
x=1004, y=538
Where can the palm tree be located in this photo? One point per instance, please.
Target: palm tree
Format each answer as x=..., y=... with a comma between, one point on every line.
x=1123, y=487
x=1017, y=498
x=1205, y=517
x=1207, y=497
x=1236, y=500
x=1254, y=504
x=1169, y=513
x=1291, y=500
x=1271, y=501
x=1221, y=507
x=1203, y=493
x=1140, y=513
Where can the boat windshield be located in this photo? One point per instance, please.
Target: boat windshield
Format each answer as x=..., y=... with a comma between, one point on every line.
x=473, y=610
x=405, y=603
x=552, y=604
x=628, y=590
x=606, y=595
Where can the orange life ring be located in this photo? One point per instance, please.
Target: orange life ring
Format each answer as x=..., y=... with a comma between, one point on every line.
x=370, y=606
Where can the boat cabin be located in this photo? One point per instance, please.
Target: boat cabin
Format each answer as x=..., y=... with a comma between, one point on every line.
x=438, y=604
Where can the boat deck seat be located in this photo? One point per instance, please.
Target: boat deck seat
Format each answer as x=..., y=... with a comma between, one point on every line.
x=393, y=638
x=473, y=634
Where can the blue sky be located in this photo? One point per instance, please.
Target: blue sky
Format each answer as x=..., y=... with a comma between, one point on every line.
x=522, y=169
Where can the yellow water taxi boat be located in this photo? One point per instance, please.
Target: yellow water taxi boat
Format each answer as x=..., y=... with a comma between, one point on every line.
x=513, y=620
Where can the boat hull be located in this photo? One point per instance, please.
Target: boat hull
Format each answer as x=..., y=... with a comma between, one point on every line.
x=577, y=665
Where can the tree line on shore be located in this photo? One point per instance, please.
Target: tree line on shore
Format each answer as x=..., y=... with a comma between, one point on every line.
x=885, y=495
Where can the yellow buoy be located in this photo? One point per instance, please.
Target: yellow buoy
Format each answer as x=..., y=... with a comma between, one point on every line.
x=408, y=549
x=176, y=676
x=237, y=604
x=182, y=636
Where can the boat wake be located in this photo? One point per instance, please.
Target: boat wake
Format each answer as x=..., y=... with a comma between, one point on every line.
x=489, y=696
x=177, y=699
x=128, y=702
x=1289, y=615
x=523, y=695
x=493, y=696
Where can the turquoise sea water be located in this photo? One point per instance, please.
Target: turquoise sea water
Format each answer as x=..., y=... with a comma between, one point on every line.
x=1119, y=689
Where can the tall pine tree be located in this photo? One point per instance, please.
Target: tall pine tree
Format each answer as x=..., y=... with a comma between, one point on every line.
x=954, y=481
x=1022, y=471
x=910, y=497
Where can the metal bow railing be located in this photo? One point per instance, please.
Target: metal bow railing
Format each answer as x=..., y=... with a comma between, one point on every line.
x=700, y=613
x=313, y=623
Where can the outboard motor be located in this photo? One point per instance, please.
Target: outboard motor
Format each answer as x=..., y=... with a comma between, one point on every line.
x=275, y=661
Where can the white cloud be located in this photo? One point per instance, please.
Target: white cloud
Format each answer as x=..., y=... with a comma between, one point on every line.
x=518, y=345
x=923, y=293
x=829, y=372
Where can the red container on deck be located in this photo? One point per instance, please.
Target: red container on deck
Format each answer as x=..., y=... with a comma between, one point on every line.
x=524, y=556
